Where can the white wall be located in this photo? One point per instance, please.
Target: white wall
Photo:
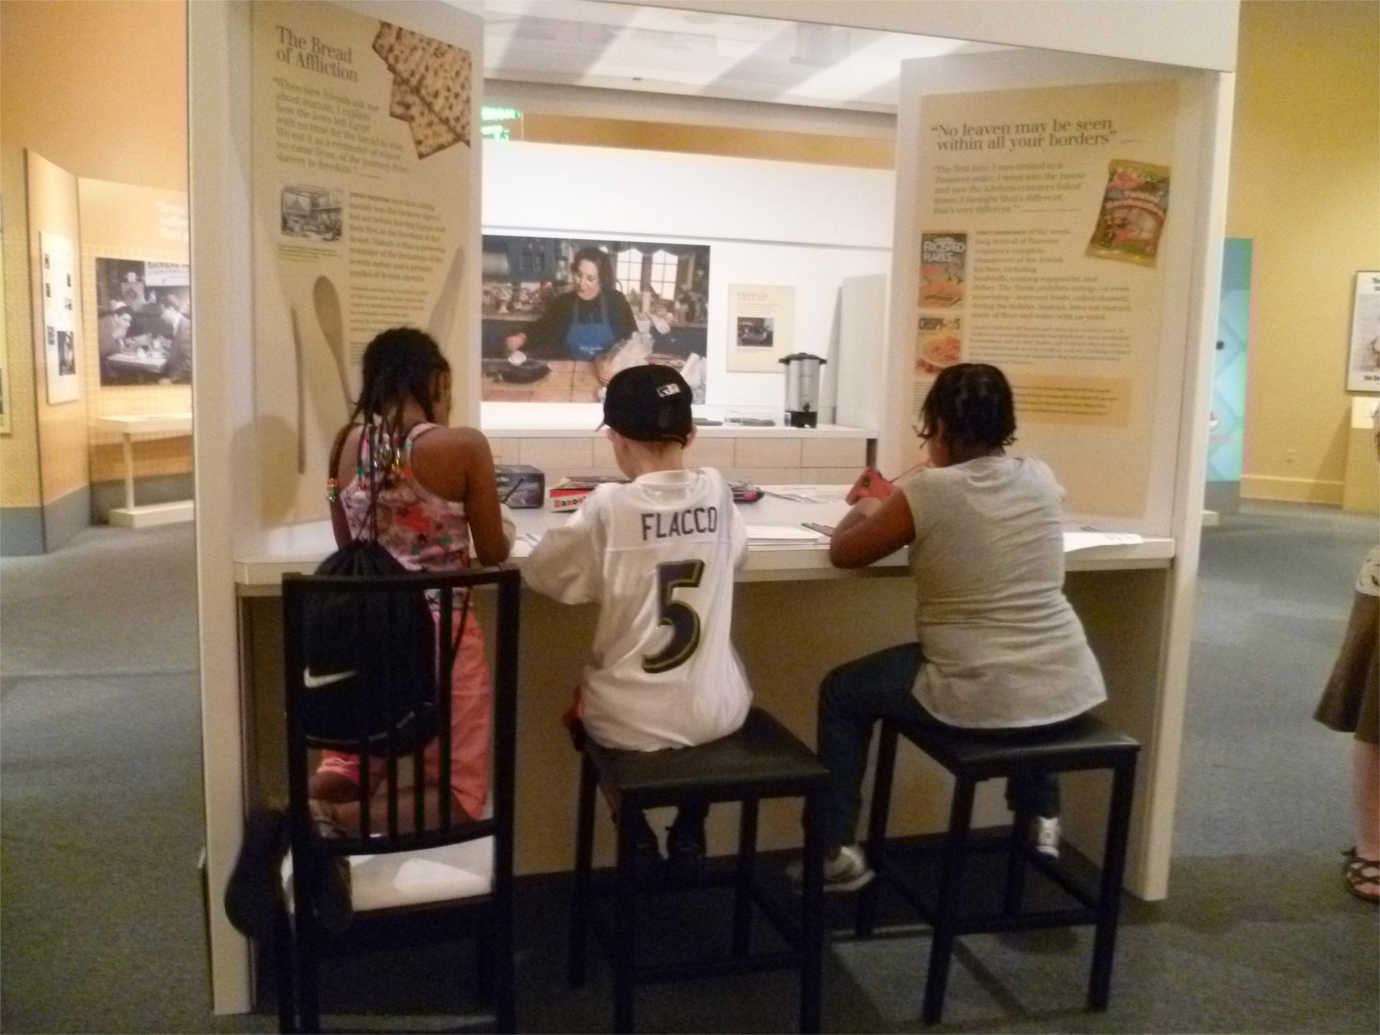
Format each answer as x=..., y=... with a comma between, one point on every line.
x=1194, y=33
x=808, y=226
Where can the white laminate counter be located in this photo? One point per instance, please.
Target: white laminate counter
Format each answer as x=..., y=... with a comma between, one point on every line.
x=299, y=548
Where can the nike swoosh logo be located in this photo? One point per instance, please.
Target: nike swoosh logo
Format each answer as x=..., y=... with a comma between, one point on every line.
x=312, y=682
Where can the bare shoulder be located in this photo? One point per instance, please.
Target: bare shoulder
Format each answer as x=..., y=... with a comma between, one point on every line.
x=452, y=443
x=444, y=459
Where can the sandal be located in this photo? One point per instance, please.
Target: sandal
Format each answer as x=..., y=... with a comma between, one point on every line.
x=1357, y=872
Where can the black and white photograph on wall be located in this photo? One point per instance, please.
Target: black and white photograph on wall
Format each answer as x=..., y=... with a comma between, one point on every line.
x=313, y=213
x=67, y=354
x=755, y=332
x=761, y=326
x=1363, y=361
x=60, y=342
x=144, y=322
x=561, y=316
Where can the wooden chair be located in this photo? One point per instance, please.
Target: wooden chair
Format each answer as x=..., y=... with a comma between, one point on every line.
x=438, y=881
x=971, y=757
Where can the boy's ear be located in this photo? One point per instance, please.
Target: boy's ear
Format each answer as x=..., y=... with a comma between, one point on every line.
x=690, y=439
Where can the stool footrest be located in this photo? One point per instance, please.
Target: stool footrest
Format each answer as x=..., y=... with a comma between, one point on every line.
x=781, y=920
x=652, y=974
x=889, y=872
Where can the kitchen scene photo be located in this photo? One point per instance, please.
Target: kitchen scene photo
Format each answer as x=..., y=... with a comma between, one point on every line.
x=313, y=213
x=144, y=322
x=563, y=315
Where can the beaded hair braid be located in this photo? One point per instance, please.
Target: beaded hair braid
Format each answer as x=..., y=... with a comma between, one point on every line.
x=974, y=402
x=399, y=364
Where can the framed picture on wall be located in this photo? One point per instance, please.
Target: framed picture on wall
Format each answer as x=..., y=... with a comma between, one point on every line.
x=761, y=326
x=562, y=315
x=144, y=322
x=1363, y=351
x=59, y=318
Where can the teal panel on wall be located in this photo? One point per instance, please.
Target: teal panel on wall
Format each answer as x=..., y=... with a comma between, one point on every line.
x=1228, y=413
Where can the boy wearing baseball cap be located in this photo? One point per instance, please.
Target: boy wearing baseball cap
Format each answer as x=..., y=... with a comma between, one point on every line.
x=658, y=553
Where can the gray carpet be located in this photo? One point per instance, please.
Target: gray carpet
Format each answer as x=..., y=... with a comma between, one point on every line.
x=100, y=788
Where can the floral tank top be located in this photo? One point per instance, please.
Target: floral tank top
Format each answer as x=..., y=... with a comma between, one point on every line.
x=423, y=531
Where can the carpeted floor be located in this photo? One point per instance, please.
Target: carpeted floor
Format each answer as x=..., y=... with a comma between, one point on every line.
x=100, y=785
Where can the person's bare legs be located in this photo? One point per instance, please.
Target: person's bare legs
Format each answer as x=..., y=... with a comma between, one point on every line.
x=1365, y=776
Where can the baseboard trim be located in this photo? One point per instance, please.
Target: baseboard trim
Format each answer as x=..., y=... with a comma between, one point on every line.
x=1291, y=490
x=65, y=516
x=21, y=531
x=159, y=488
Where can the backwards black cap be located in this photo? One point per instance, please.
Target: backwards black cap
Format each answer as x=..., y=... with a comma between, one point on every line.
x=649, y=403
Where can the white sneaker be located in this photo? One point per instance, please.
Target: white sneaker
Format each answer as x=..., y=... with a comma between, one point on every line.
x=1047, y=836
x=847, y=871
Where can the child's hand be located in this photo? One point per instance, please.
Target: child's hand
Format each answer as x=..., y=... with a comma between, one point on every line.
x=870, y=484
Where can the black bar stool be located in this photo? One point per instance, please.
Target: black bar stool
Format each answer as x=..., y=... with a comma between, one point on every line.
x=972, y=757
x=761, y=760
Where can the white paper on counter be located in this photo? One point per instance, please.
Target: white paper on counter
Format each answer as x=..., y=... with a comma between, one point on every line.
x=783, y=535
x=1086, y=539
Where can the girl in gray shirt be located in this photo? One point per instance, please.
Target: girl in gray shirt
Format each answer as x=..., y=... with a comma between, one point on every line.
x=997, y=644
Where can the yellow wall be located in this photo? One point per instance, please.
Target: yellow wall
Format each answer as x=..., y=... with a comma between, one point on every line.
x=1305, y=187
x=71, y=93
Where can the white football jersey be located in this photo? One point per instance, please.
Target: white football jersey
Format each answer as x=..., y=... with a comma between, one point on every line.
x=658, y=554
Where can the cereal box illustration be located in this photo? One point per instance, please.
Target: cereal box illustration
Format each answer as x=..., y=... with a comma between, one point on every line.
x=943, y=261
x=1134, y=206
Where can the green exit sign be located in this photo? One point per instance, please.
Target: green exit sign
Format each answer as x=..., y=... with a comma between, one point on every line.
x=488, y=114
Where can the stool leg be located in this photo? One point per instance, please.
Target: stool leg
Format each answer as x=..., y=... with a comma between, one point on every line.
x=946, y=911
x=625, y=918
x=811, y=918
x=1015, y=861
x=1113, y=871
x=742, y=894
x=484, y=951
x=282, y=962
x=866, y=921
x=584, y=860
x=308, y=993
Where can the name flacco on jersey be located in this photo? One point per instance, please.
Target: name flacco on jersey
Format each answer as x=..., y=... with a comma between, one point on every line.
x=669, y=524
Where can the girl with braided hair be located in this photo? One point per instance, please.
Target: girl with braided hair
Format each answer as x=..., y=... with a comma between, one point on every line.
x=998, y=647
x=435, y=492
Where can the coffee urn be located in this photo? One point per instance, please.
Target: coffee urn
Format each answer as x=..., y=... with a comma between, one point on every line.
x=802, y=389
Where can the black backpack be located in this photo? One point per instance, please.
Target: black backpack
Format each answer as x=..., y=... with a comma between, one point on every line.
x=370, y=676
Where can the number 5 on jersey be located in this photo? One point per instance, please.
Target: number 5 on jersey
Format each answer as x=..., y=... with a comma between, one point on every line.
x=680, y=616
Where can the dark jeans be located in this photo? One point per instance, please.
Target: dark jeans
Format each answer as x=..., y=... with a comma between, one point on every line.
x=851, y=700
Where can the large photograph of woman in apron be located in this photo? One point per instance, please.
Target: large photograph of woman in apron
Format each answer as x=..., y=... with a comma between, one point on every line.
x=562, y=316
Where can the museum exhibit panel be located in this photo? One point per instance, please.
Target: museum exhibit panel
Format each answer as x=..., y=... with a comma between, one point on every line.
x=1076, y=193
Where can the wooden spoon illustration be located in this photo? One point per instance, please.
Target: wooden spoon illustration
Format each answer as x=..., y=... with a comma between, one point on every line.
x=301, y=405
x=327, y=303
x=443, y=313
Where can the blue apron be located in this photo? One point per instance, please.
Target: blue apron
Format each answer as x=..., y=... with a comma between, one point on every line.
x=587, y=340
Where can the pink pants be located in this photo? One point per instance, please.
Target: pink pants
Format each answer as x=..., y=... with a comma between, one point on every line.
x=470, y=694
